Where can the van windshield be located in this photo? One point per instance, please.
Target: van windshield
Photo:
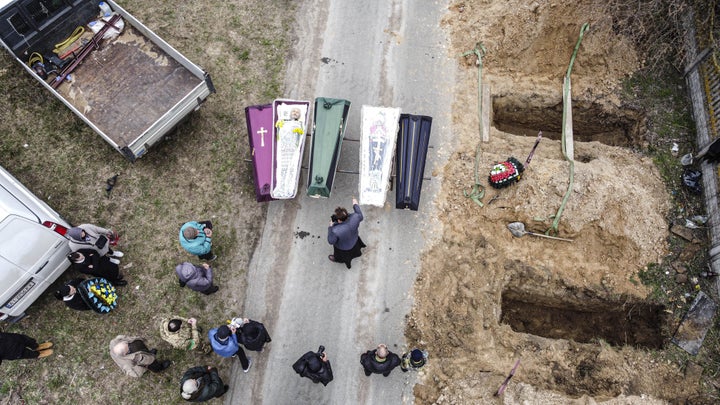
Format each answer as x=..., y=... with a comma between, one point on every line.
x=25, y=242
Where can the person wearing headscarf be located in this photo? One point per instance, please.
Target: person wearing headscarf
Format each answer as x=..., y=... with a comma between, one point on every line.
x=89, y=236
x=201, y=383
x=224, y=342
x=343, y=234
x=68, y=293
x=89, y=261
x=315, y=366
x=379, y=361
x=15, y=346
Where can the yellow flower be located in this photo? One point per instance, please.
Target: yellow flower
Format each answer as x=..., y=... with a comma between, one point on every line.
x=108, y=297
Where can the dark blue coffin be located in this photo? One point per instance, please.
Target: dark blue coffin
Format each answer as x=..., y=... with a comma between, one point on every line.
x=410, y=153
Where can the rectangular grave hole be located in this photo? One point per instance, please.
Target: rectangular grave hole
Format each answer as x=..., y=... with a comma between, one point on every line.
x=523, y=114
x=622, y=324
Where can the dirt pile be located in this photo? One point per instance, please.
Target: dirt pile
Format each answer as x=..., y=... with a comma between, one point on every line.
x=573, y=312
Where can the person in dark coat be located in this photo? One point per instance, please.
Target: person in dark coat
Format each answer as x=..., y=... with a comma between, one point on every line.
x=413, y=360
x=315, y=366
x=15, y=346
x=343, y=234
x=379, y=361
x=251, y=334
x=196, y=278
x=88, y=261
x=69, y=295
x=201, y=383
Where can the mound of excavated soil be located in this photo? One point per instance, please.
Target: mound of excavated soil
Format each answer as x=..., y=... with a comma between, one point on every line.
x=575, y=313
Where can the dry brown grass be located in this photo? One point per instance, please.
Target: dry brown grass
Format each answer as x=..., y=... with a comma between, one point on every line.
x=200, y=172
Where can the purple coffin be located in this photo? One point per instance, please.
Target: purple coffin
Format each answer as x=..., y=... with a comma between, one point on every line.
x=259, y=120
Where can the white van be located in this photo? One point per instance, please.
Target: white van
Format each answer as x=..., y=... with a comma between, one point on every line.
x=33, y=247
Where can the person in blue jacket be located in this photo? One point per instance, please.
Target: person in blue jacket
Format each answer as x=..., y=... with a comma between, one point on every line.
x=343, y=234
x=224, y=343
x=196, y=239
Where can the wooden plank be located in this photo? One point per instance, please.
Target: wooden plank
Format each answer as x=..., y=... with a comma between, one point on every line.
x=569, y=143
x=486, y=110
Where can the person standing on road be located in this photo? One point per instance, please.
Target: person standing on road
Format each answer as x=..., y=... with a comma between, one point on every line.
x=224, y=343
x=15, y=346
x=133, y=357
x=89, y=236
x=379, y=361
x=251, y=334
x=343, y=234
x=413, y=360
x=196, y=239
x=196, y=278
x=315, y=366
x=202, y=383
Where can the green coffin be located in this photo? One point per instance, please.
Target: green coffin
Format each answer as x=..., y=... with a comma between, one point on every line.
x=330, y=117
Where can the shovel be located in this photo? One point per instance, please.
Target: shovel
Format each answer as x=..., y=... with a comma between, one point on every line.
x=518, y=230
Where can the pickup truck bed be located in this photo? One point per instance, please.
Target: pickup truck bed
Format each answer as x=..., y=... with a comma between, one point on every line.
x=127, y=85
x=132, y=90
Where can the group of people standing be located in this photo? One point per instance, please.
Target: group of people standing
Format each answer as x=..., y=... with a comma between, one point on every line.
x=199, y=383
x=92, y=255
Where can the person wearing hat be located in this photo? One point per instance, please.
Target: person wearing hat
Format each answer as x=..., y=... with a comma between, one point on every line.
x=379, y=361
x=15, y=346
x=251, y=334
x=202, y=383
x=315, y=366
x=133, y=357
x=196, y=239
x=224, y=342
x=89, y=236
x=68, y=293
x=183, y=334
x=88, y=261
x=343, y=235
x=415, y=359
x=196, y=278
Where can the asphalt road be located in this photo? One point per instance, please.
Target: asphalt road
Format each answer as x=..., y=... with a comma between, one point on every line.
x=381, y=53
